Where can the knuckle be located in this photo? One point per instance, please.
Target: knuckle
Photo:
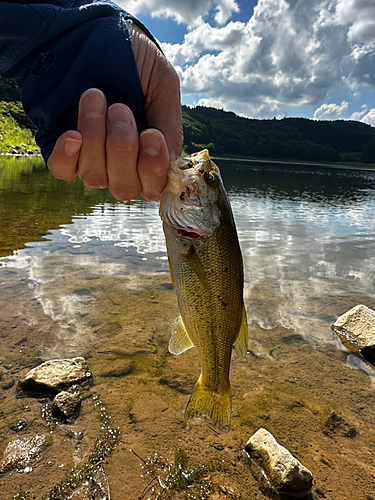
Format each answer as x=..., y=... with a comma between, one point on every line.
x=120, y=148
x=119, y=154
x=70, y=177
x=94, y=182
x=125, y=194
x=159, y=171
x=63, y=174
x=150, y=196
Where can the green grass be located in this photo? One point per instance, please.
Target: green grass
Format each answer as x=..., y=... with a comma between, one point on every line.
x=22, y=495
x=16, y=130
x=169, y=478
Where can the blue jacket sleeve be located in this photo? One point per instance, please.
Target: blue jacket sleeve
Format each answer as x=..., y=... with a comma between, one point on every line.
x=57, y=50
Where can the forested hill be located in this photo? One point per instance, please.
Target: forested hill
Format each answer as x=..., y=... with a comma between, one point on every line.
x=225, y=133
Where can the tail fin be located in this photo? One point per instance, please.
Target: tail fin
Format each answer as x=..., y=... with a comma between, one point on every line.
x=205, y=401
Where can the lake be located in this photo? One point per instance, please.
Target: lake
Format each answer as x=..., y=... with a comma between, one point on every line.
x=82, y=274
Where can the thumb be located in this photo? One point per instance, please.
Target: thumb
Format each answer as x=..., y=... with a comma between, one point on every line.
x=163, y=111
x=161, y=88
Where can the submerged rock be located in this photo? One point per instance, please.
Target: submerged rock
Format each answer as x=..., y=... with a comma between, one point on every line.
x=21, y=454
x=356, y=329
x=65, y=404
x=275, y=465
x=52, y=376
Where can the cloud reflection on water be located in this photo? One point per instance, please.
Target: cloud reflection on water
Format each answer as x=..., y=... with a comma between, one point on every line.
x=309, y=233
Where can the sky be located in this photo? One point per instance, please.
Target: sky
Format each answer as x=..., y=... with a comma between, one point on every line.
x=269, y=58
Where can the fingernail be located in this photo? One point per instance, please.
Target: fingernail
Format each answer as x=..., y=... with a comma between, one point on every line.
x=94, y=103
x=119, y=116
x=72, y=146
x=151, y=143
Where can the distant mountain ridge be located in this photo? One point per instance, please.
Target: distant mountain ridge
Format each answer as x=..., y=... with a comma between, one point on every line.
x=225, y=133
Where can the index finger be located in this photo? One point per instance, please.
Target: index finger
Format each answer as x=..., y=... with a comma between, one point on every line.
x=63, y=161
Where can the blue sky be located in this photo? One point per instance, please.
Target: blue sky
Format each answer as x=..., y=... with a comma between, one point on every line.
x=266, y=58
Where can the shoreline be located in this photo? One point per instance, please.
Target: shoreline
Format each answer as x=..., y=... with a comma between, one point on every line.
x=29, y=155
x=348, y=166
x=360, y=166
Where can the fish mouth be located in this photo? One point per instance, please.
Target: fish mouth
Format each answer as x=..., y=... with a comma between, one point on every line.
x=188, y=233
x=195, y=160
x=186, y=204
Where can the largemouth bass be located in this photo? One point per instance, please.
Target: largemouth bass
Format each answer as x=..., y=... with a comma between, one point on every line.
x=207, y=274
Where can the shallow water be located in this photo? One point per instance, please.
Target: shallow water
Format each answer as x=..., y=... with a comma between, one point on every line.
x=84, y=275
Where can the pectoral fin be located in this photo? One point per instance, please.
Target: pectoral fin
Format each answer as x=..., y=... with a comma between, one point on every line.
x=193, y=260
x=180, y=340
x=240, y=344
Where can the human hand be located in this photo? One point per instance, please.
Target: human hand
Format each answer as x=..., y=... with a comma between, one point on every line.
x=106, y=150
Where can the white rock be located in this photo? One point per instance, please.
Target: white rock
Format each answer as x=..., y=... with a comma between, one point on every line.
x=357, y=326
x=277, y=466
x=53, y=375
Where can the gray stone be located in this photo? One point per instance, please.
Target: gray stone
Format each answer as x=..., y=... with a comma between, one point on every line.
x=21, y=454
x=65, y=404
x=276, y=466
x=356, y=329
x=52, y=376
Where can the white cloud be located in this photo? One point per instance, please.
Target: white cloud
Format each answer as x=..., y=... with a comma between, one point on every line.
x=225, y=9
x=189, y=12
x=330, y=111
x=369, y=117
x=211, y=103
x=202, y=39
x=365, y=116
x=290, y=53
x=358, y=115
x=359, y=15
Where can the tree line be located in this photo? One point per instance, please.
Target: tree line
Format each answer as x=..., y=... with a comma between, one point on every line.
x=225, y=133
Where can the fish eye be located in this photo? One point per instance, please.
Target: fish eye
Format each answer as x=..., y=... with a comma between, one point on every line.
x=210, y=177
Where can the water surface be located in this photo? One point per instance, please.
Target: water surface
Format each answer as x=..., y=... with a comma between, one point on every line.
x=85, y=275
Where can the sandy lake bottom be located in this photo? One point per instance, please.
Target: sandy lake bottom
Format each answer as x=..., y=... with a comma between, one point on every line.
x=121, y=325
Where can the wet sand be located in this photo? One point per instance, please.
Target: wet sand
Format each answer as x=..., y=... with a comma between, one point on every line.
x=288, y=383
